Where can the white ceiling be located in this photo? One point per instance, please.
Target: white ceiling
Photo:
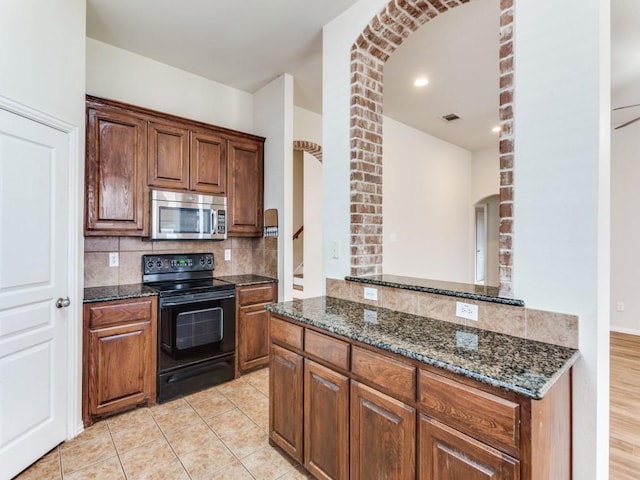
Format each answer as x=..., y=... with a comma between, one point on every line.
x=458, y=53
x=241, y=44
x=246, y=45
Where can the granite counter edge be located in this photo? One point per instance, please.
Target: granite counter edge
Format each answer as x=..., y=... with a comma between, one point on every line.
x=114, y=293
x=536, y=394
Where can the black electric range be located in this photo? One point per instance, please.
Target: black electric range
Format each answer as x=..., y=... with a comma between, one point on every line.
x=196, y=324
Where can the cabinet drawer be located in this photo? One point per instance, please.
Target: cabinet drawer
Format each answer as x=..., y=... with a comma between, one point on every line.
x=397, y=378
x=331, y=350
x=287, y=333
x=110, y=313
x=253, y=295
x=485, y=416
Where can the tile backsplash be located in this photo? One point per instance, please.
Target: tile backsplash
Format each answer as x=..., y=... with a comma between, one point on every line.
x=248, y=255
x=523, y=322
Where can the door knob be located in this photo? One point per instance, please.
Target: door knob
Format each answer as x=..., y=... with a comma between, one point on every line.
x=63, y=302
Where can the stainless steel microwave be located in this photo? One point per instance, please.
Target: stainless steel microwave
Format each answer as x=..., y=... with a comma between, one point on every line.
x=187, y=216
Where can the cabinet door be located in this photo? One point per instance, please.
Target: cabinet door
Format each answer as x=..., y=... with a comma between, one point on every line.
x=253, y=337
x=285, y=401
x=382, y=436
x=168, y=160
x=246, y=183
x=446, y=454
x=326, y=422
x=208, y=163
x=116, y=173
x=120, y=367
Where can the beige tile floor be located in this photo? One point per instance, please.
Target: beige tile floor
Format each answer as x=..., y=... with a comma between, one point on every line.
x=216, y=434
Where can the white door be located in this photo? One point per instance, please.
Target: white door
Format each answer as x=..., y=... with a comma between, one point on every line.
x=34, y=224
x=481, y=241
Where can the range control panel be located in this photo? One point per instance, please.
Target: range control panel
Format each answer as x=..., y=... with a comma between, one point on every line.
x=174, y=263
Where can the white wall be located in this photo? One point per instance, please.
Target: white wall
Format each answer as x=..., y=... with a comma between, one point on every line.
x=427, y=206
x=43, y=67
x=337, y=38
x=128, y=77
x=273, y=119
x=561, y=244
x=42, y=51
x=308, y=127
x=625, y=228
x=485, y=173
x=561, y=220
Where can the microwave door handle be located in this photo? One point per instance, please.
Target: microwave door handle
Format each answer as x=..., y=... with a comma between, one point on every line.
x=214, y=221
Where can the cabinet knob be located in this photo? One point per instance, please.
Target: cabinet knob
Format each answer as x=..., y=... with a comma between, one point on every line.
x=63, y=302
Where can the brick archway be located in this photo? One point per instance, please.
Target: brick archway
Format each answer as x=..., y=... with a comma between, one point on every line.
x=309, y=147
x=379, y=39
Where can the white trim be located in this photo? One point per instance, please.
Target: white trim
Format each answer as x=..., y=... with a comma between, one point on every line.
x=75, y=262
x=630, y=331
x=484, y=208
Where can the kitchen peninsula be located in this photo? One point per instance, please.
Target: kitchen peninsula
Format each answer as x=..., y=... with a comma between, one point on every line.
x=358, y=391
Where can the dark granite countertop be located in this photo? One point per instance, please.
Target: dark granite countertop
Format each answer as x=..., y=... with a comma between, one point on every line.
x=117, y=292
x=245, y=280
x=526, y=367
x=439, y=287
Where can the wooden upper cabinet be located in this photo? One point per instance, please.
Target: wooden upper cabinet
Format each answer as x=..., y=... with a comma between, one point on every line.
x=168, y=161
x=131, y=149
x=208, y=163
x=245, y=184
x=183, y=159
x=116, y=176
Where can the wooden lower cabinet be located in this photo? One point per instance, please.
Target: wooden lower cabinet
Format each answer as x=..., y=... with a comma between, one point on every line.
x=446, y=454
x=382, y=436
x=119, y=356
x=372, y=415
x=285, y=401
x=253, y=325
x=326, y=422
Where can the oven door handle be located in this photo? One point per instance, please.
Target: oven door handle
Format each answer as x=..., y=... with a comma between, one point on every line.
x=198, y=297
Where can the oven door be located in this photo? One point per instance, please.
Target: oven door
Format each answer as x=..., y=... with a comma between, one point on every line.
x=195, y=328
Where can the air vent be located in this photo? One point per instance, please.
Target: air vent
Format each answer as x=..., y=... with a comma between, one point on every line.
x=450, y=117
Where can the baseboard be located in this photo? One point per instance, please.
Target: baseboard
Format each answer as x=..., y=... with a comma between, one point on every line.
x=629, y=331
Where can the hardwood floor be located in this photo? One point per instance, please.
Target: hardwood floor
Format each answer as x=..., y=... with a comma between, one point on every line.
x=624, y=453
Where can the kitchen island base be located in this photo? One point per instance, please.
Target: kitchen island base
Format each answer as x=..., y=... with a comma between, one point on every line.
x=346, y=409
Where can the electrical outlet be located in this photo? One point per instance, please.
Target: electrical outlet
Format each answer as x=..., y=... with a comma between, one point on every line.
x=227, y=254
x=113, y=259
x=335, y=250
x=370, y=293
x=620, y=306
x=468, y=341
x=467, y=310
x=370, y=316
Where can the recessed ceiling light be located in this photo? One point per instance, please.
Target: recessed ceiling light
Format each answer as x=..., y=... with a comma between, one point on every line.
x=495, y=129
x=421, y=81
